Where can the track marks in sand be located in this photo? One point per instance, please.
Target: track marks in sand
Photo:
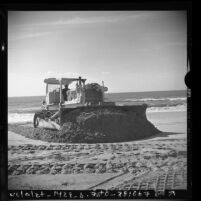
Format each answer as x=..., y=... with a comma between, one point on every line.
x=135, y=167
x=76, y=147
x=158, y=181
x=94, y=158
x=102, y=146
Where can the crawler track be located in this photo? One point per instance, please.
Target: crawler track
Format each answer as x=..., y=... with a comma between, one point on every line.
x=165, y=181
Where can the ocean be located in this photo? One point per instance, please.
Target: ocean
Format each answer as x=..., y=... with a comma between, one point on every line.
x=21, y=109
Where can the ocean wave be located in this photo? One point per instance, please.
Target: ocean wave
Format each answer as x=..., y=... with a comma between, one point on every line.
x=178, y=108
x=156, y=99
x=20, y=117
x=24, y=110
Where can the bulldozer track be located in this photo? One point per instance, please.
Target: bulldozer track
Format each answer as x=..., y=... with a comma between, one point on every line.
x=167, y=181
x=62, y=158
x=133, y=166
x=71, y=147
x=65, y=168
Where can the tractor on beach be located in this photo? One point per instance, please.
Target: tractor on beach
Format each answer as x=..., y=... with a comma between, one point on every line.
x=79, y=112
x=59, y=98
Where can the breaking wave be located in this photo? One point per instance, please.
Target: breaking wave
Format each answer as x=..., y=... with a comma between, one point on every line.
x=178, y=108
x=20, y=117
x=156, y=99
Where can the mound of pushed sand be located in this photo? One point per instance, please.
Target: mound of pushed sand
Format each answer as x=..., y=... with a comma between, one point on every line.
x=96, y=125
x=107, y=124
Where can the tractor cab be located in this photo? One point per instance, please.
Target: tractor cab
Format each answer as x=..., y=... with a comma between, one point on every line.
x=57, y=95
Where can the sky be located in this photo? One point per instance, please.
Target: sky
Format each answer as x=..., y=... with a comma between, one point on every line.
x=130, y=51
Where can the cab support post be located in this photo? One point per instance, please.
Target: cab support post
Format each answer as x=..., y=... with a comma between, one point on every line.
x=60, y=94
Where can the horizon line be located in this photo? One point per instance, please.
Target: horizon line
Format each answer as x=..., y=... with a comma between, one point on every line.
x=107, y=93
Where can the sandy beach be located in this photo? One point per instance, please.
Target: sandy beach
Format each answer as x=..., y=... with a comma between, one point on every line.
x=35, y=164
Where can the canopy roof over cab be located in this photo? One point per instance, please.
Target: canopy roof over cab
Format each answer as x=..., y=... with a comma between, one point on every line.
x=64, y=81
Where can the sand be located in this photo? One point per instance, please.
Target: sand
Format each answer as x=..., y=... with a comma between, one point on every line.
x=35, y=164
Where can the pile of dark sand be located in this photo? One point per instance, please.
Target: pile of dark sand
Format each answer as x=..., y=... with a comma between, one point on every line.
x=99, y=125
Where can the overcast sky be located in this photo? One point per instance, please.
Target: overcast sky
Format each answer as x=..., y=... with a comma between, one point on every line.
x=129, y=50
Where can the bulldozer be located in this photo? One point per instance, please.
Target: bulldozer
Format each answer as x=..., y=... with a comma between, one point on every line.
x=81, y=113
x=58, y=100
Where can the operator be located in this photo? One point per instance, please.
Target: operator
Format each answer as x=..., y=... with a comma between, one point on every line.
x=44, y=105
x=44, y=108
x=64, y=92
